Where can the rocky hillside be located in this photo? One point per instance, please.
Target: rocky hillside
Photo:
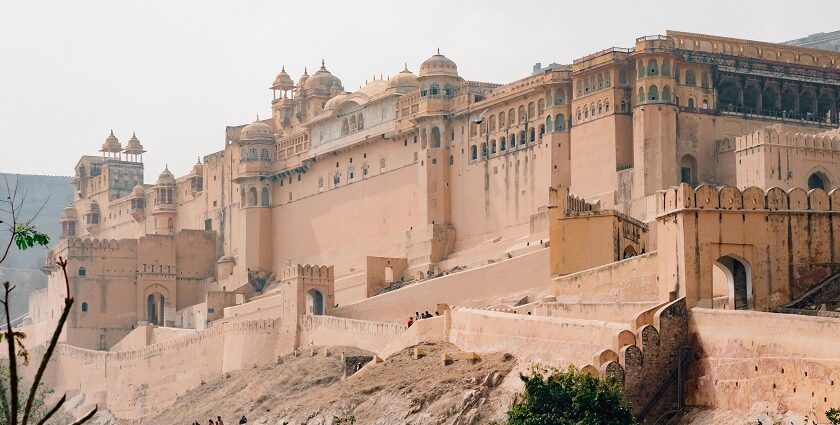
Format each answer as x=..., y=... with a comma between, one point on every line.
x=23, y=268
x=308, y=389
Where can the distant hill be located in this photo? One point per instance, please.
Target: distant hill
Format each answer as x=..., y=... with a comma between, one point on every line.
x=23, y=268
x=823, y=40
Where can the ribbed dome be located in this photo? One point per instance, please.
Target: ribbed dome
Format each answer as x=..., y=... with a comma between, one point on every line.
x=138, y=191
x=134, y=146
x=112, y=144
x=68, y=213
x=374, y=88
x=166, y=178
x=438, y=65
x=403, y=82
x=283, y=81
x=257, y=131
x=334, y=101
x=303, y=78
x=323, y=80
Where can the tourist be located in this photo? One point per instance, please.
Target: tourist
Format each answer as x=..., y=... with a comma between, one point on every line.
x=244, y=420
x=428, y=315
x=219, y=421
x=416, y=316
x=437, y=313
x=211, y=422
x=410, y=321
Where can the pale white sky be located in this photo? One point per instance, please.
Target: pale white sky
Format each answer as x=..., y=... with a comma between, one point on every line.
x=178, y=72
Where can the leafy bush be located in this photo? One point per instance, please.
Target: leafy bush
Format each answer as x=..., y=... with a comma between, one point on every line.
x=833, y=416
x=569, y=397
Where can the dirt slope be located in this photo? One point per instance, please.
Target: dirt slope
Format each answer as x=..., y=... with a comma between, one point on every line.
x=309, y=390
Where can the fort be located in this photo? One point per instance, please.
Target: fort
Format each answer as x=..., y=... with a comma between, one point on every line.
x=664, y=214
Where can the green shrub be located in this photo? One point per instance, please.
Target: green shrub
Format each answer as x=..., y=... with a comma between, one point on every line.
x=569, y=397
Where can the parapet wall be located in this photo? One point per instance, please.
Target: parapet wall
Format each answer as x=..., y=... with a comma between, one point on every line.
x=768, y=357
x=707, y=197
x=329, y=330
x=788, y=136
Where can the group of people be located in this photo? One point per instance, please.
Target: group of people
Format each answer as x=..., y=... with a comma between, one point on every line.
x=417, y=316
x=219, y=421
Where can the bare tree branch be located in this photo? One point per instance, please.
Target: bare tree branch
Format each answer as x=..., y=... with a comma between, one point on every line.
x=53, y=410
x=87, y=417
x=42, y=367
x=13, y=378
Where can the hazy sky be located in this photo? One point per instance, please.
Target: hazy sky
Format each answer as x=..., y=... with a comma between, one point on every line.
x=178, y=72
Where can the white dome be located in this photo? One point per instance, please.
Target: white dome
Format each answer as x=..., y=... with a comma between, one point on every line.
x=257, y=131
x=438, y=65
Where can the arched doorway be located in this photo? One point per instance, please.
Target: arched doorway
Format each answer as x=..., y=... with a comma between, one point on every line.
x=687, y=166
x=818, y=180
x=314, y=302
x=629, y=251
x=154, y=309
x=737, y=276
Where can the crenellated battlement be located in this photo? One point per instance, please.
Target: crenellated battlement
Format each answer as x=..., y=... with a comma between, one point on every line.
x=312, y=271
x=787, y=136
x=727, y=198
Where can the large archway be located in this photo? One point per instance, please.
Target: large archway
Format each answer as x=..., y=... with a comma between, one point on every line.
x=154, y=309
x=734, y=274
x=314, y=302
x=818, y=180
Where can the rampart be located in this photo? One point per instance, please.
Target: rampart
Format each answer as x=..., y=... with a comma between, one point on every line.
x=787, y=241
x=796, y=364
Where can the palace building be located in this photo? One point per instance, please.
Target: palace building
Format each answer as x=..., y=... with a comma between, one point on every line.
x=423, y=174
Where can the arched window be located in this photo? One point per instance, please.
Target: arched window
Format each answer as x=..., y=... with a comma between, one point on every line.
x=493, y=147
x=691, y=103
x=492, y=121
x=365, y=170
x=559, y=122
x=264, y=155
x=578, y=114
x=542, y=130
x=337, y=179
x=451, y=159
x=447, y=90
x=483, y=150
x=502, y=122
x=818, y=180
x=511, y=116
x=580, y=88
x=84, y=307
x=690, y=78
x=585, y=112
x=345, y=127
x=522, y=140
x=676, y=74
x=548, y=124
x=435, y=90
x=353, y=123
x=666, y=94
x=521, y=113
x=435, y=137
x=653, y=67
x=607, y=79
x=558, y=97
x=473, y=152
x=531, y=111
x=653, y=94
x=600, y=108
x=666, y=67
x=264, y=198
x=705, y=103
x=704, y=80
x=592, y=109
x=622, y=77
x=641, y=70
x=642, y=97
x=607, y=106
x=688, y=166
x=423, y=91
x=360, y=121
x=533, y=135
x=600, y=80
x=541, y=106
x=502, y=144
x=252, y=197
x=591, y=85
x=512, y=141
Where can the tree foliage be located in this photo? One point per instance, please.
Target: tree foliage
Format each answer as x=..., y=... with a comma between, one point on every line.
x=833, y=416
x=569, y=397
